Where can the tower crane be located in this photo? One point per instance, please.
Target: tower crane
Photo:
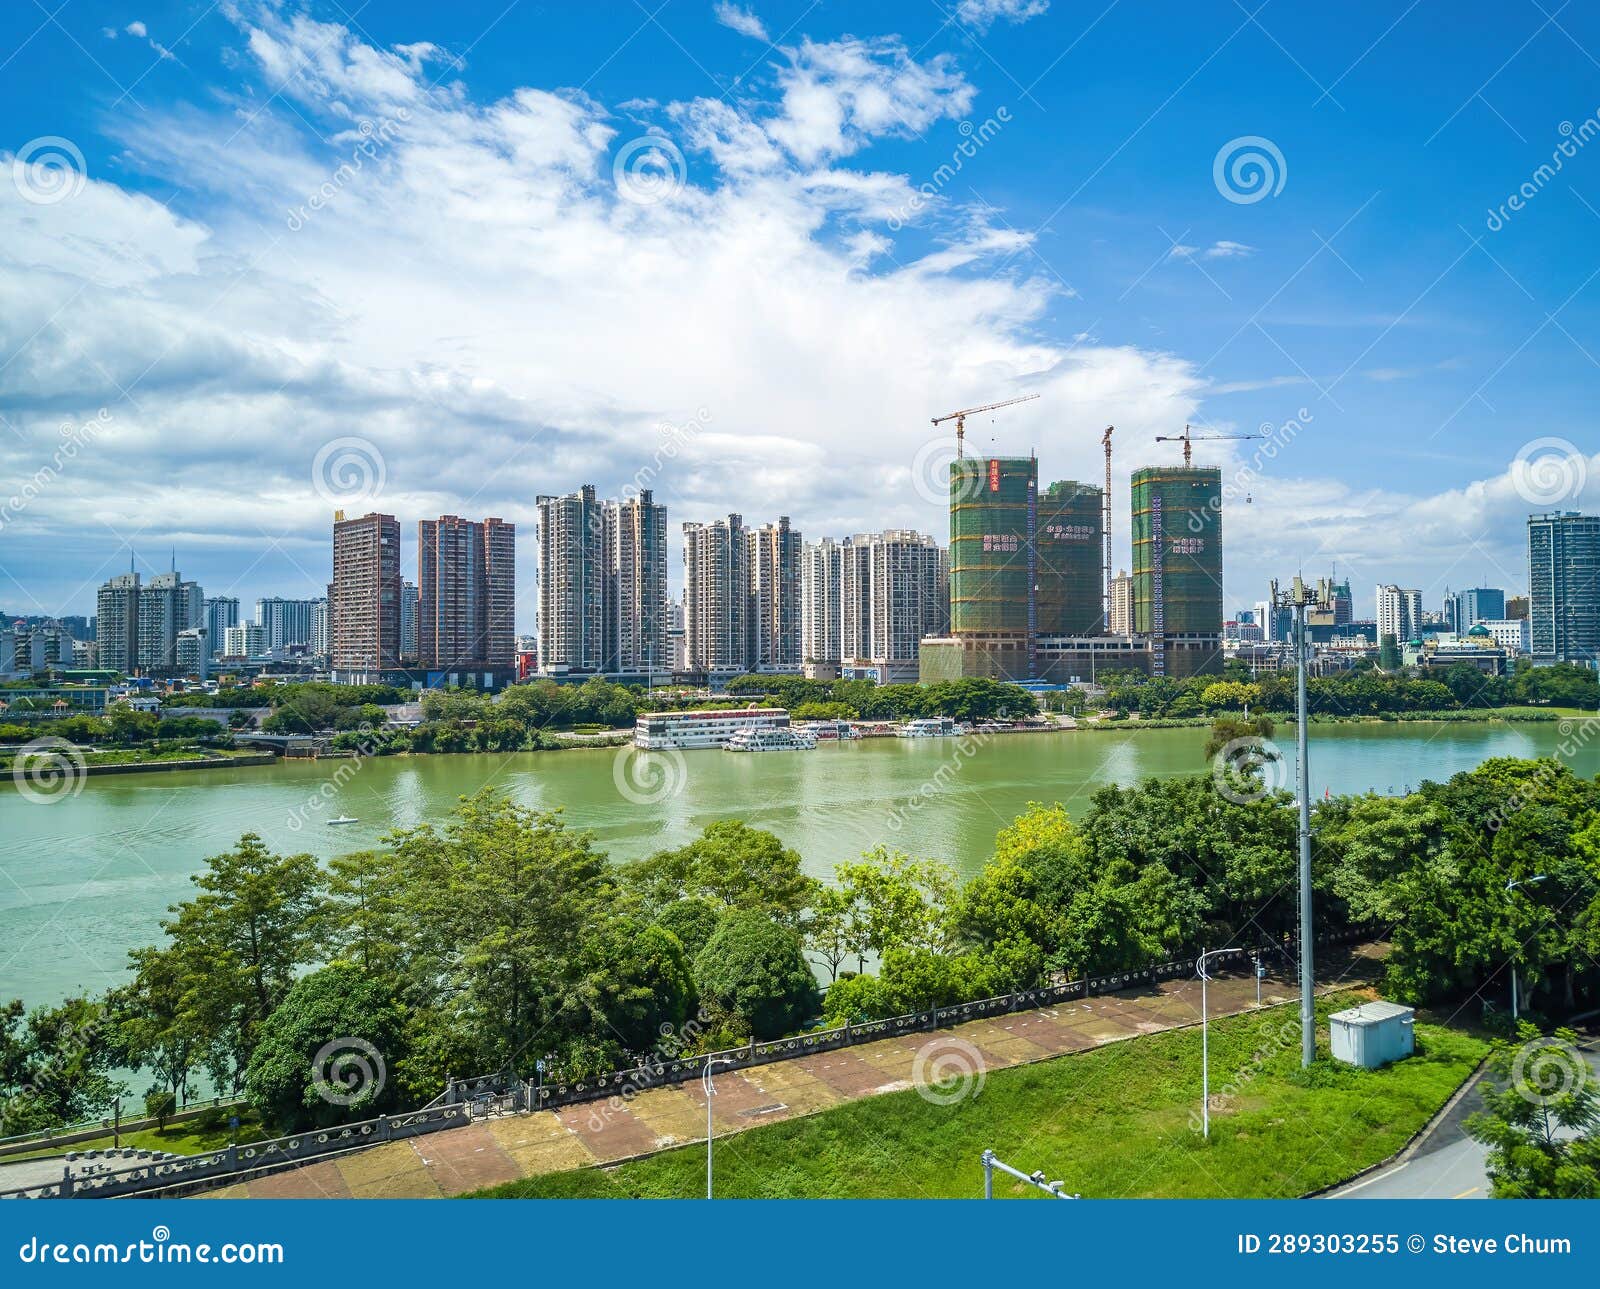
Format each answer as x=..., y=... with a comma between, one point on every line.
x=960, y=417
x=1186, y=438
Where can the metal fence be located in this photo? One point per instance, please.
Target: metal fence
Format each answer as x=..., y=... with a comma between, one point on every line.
x=464, y=1100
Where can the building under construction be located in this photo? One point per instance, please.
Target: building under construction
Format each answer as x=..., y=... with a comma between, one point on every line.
x=1027, y=593
x=1177, y=555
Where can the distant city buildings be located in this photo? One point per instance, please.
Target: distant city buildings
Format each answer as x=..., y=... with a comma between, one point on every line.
x=222, y=612
x=1564, y=587
x=364, y=595
x=774, y=584
x=1510, y=634
x=716, y=595
x=137, y=623
x=1465, y=609
x=1121, y=623
x=286, y=623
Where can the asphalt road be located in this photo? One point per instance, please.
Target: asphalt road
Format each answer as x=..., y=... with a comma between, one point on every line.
x=1447, y=1165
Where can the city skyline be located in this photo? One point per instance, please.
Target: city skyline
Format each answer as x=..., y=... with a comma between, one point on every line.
x=1387, y=291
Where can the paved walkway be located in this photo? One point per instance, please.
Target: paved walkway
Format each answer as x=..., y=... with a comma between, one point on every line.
x=492, y=1151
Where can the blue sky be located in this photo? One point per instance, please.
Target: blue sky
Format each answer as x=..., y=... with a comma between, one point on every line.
x=800, y=269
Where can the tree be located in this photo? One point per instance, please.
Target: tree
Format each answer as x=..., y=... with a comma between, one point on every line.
x=324, y=1052
x=56, y=1065
x=159, y=1104
x=904, y=902
x=1540, y=1119
x=692, y=920
x=732, y=866
x=240, y=943
x=833, y=927
x=159, y=1026
x=756, y=967
x=367, y=921
x=637, y=985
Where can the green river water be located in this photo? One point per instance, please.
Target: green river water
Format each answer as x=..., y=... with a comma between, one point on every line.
x=87, y=876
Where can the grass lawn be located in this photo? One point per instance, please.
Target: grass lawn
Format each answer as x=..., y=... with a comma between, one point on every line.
x=1114, y=1121
x=186, y=1138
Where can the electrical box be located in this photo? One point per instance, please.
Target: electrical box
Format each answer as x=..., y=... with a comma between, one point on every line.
x=1373, y=1034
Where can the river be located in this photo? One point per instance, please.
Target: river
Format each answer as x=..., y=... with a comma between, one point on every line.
x=87, y=876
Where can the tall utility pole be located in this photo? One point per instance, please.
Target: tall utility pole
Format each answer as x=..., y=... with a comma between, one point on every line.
x=1300, y=597
x=1105, y=599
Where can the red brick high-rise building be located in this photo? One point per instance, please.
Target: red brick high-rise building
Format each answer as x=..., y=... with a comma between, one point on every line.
x=364, y=596
x=466, y=592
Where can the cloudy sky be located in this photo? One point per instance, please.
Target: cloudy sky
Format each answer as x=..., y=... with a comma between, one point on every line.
x=261, y=259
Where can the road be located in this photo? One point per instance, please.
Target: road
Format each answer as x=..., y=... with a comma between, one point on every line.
x=1447, y=1164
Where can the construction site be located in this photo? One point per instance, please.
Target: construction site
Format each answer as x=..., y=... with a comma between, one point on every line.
x=1030, y=569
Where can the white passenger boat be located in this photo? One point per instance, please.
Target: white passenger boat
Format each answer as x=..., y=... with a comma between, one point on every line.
x=343, y=819
x=927, y=727
x=757, y=738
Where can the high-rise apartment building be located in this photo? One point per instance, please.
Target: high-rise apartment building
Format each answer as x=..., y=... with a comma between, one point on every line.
x=774, y=580
x=321, y=627
x=286, y=622
x=222, y=612
x=117, y=623
x=1564, y=587
x=820, y=607
x=409, y=609
x=867, y=601
x=602, y=583
x=635, y=584
x=166, y=603
x=466, y=589
x=245, y=640
x=1481, y=604
x=1121, y=604
x=1399, y=612
x=716, y=595
x=364, y=596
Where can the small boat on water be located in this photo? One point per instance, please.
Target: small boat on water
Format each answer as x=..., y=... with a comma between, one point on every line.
x=343, y=819
x=766, y=738
x=928, y=727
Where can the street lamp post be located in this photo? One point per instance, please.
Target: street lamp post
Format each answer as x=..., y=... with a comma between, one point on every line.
x=1205, y=1040
x=1511, y=886
x=710, y=1091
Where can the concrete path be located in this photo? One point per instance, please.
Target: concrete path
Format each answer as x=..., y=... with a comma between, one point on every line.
x=504, y=1149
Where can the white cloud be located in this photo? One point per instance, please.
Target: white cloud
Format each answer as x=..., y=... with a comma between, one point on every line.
x=1216, y=251
x=741, y=20
x=982, y=14
x=136, y=29
x=461, y=283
